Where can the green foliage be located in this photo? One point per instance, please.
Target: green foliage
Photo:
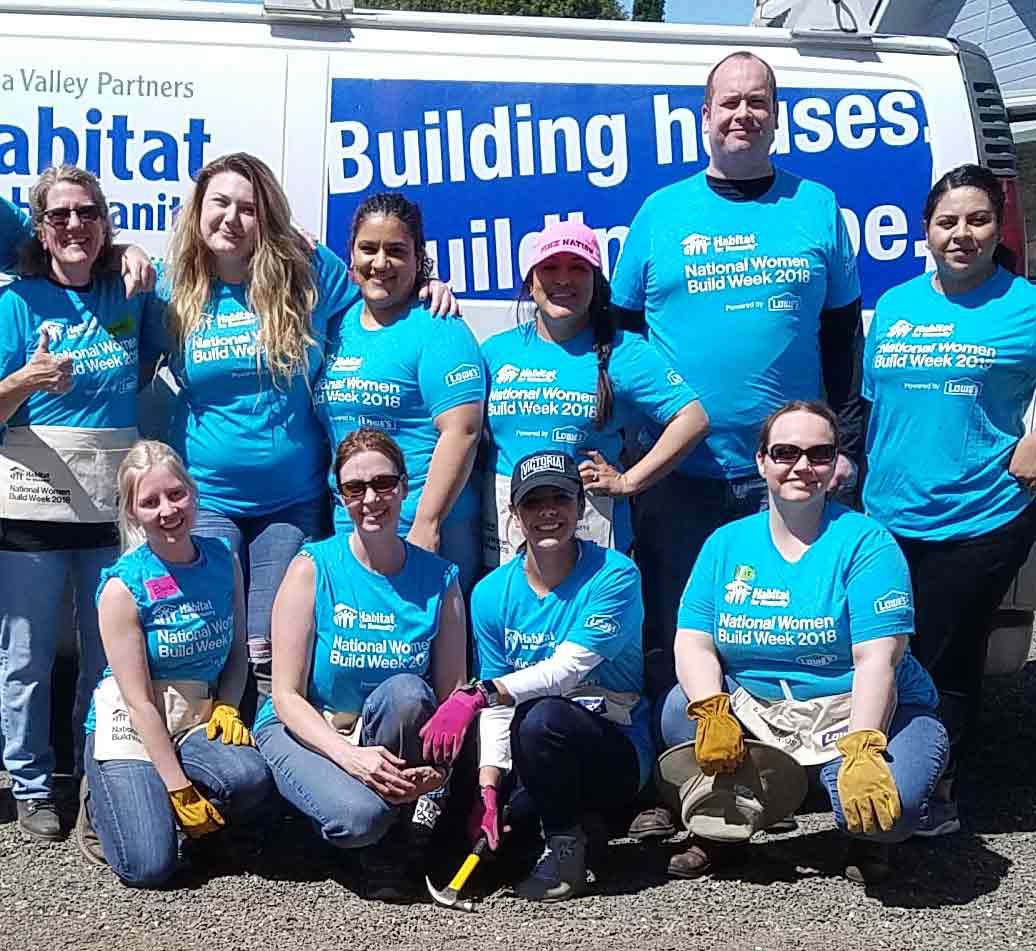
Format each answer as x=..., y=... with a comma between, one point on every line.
x=585, y=9
x=649, y=11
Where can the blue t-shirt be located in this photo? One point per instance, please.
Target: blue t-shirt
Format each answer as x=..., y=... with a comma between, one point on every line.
x=732, y=293
x=598, y=606
x=106, y=334
x=543, y=395
x=398, y=379
x=186, y=611
x=14, y=229
x=250, y=440
x=368, y=626
x=778, y=624
x=949, y=379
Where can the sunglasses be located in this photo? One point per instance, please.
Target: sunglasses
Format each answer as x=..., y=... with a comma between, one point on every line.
x=356, y=489
x=787, y=454
x=60, y=217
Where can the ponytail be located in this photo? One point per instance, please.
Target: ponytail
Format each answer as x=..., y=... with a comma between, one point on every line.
x=604, y=326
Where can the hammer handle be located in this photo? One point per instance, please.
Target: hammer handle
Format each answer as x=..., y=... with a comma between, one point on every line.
x=469, y=865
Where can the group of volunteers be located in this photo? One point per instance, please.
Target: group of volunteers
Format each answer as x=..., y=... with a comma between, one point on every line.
x=676, y=613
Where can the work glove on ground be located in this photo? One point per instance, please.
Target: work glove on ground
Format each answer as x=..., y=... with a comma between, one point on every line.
x=443, y=734
x=868, y=793
x=719, y=745
x=485, y=817
x=196, y=815
x=225, y=719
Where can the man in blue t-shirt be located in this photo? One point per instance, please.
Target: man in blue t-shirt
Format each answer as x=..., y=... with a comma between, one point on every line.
x=746, y=280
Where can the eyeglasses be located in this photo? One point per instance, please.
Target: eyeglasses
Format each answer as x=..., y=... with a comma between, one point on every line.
x=356, y=489
x=60, y=217
x=787, y=454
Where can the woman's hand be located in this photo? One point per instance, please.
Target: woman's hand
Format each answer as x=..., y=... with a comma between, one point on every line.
x=46, y=373
x=443, y=734
x=485, y=818
x=227, y=720
x=866, y=788
x=600, y=477
x=426, y=779
x=439, y=296
x=1023, y=462
x=138, y=273
x=719, y=745
x=382, y=771
x=196, y=815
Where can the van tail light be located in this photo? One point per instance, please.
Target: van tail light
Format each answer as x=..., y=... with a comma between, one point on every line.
x=1012, y=233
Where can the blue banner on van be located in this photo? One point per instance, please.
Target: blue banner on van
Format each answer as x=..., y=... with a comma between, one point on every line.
x=491, y=163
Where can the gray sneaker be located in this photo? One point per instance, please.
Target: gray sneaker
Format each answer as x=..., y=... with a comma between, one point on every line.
x=38, y=819
x=938, y=817
x=86, y=838
x=560, y=872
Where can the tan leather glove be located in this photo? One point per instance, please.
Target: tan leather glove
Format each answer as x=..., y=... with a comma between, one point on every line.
x=866, y=788
x=719, y=745
x=196, y=815
x=225, y=719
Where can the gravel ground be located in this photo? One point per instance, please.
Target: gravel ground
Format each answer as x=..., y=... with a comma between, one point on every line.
x=970, y=891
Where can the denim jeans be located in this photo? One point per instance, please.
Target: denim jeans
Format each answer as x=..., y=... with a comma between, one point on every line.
x=570, y=762
x=134, y=819
x=32, y=587
x=918, y=749
x=265, y=544
x=671, y=521
x=345, y=812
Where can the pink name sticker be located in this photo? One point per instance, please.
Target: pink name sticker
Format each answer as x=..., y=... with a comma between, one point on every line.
x=164, y=587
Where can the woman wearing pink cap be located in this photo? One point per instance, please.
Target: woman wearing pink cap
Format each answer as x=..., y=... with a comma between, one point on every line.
x=569, y=380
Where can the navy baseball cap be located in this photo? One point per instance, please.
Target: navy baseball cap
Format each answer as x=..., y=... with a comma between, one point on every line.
x=555, y=469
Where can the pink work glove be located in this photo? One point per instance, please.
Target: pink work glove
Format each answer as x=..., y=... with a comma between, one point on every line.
x=485, y=817
x=443, y=734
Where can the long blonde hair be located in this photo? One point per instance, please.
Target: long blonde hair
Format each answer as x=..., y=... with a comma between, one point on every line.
x=280, y=289
x=33, y=256
x=143, y=456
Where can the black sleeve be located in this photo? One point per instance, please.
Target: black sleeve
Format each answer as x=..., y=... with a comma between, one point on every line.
x=631, y=320
x=841, y=363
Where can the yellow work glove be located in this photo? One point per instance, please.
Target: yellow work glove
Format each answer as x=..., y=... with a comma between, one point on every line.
x=866, y=788
x=196, y=815
x=226, y=720
x=719, y=745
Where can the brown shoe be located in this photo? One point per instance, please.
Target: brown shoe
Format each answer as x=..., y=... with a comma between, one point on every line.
x=701, y=857
x=653, y=823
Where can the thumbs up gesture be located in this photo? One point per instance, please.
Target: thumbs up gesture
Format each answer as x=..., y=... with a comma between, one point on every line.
x=45, y=372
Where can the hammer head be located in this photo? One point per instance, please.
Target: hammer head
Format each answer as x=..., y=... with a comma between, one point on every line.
x=449, y=897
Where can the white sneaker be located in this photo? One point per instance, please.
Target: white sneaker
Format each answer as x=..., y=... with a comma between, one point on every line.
x=426, y=815
x=560, y=872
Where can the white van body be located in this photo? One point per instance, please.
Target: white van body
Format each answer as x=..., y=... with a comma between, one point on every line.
x=495, y=125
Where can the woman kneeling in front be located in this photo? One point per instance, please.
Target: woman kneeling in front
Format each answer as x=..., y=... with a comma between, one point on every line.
x=368, y=632
x=803, y=608
x=558, y=651
x=165, y=744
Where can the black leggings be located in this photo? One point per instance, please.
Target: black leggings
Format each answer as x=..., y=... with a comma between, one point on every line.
x=571, y=762
x=958, y=585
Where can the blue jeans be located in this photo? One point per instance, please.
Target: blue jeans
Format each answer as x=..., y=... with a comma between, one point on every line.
x=134, y=819
x=345, y=812
x=32, y=586
x=671, y=521
x=918, y=750
x=265, y=544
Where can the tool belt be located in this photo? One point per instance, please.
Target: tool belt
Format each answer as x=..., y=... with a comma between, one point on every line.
x=614, y=705
x=62, y=474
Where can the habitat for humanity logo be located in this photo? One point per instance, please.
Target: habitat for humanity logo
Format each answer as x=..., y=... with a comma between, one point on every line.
x=696, y=244
x=462, y=373
x=903, y=328
x=784, y=303
x=347, y=364
x=603, y=623
x=738, y=590
x=893, y=600
x=345, y=616
x=962, y=387
x=509, y=373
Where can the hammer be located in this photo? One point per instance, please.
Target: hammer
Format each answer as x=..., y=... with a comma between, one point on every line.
x=449, y=897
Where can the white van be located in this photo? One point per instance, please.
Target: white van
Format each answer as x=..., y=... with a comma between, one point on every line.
x=495, y=125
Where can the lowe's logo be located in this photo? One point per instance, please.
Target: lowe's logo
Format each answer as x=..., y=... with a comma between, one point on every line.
x=894, y=600
x=462, y=374
x=603, y=623
x=962, y=387
x=817, y=660
x=784, y=303
x=568, y=434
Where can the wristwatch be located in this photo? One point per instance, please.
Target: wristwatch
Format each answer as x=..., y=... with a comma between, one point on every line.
x=488, y=690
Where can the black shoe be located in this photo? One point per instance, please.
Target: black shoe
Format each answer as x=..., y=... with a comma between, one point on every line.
x=654, y=823
x=38, y=819
x=394, y=868
x=86, y=838
x=867, y=862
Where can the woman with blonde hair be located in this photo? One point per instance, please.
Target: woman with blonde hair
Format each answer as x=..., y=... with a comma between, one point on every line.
x=165, y=745
x=72, y=345
x=249, y=302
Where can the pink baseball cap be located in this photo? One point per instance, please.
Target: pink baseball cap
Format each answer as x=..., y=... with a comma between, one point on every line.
x=571, y=236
